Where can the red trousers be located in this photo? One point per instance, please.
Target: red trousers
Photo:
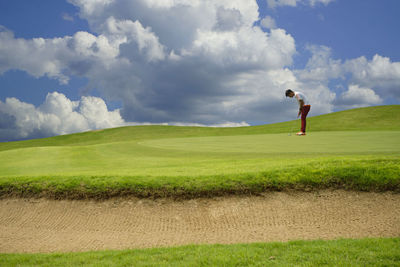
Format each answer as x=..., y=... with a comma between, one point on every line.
x=304, y=112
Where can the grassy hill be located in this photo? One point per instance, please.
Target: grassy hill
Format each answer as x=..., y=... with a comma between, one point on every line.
x=355, y=149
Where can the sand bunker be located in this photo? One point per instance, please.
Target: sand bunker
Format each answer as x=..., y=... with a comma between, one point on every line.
x=40, y=225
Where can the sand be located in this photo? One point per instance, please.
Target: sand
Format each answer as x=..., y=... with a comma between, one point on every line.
x=42, y=225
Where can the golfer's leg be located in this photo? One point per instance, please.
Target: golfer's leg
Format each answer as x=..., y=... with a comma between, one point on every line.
x=304, y=114
x=303, y=123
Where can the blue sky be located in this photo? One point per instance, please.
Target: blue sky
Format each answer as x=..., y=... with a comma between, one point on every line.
x=32, y=19
x=352, y=28
x=170, y=64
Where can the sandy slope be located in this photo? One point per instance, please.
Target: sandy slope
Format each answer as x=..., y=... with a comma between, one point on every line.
x=39, y=225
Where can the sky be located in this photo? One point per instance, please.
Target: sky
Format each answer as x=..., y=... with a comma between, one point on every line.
x=69, y=66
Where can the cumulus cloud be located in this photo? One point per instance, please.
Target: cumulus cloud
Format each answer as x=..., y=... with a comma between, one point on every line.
x=357, y=96
x=55, y=58
x=373, y=80
x=60, y=115
x=164, y=60
x=321, y=66
x=378, y=73
x=293, y=3
x=57, y=115
x=204, y=45
x=268, y=23
x=25, y=54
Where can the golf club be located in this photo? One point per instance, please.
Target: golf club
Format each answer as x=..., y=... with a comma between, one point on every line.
x=291, y=130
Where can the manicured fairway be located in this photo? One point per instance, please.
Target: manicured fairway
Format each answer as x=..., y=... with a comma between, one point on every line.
x=200, y=155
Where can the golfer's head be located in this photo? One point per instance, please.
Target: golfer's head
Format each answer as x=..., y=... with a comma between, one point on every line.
x=289, y=93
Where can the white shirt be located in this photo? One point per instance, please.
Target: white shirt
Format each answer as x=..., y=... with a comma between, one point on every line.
x=300, y=96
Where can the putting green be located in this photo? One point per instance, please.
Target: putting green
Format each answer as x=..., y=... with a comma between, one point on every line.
x=195, y=156
x=318, y=142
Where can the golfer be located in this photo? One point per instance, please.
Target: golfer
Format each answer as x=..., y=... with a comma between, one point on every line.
x=304, y=108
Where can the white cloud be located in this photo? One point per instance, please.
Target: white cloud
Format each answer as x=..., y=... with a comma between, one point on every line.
x=67, y=17
x=91, y=6
x=378, y=78
x=268, y=22
x=25, y=54
x=57, y=115
x=293, y=3
x=357, y=96
x=315, y=2
x=143, y=39
x=379, y=73
x=56, y=58
x=275, y=3
x=321, y=67
x=248, y=46
x=201, y=45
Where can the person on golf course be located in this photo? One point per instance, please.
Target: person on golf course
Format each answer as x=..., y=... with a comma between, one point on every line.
x=304, y=108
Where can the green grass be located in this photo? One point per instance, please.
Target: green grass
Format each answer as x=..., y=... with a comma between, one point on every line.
x=355, y=149
x=345, y=252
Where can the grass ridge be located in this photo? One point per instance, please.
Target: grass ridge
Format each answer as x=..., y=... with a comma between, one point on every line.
x=359, y=175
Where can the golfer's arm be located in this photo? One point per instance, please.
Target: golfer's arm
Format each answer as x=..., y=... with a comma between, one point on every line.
x=301, y=104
